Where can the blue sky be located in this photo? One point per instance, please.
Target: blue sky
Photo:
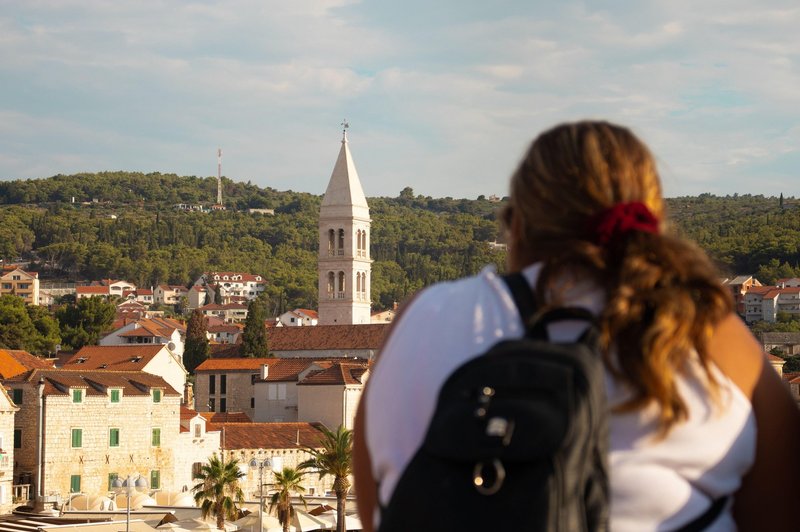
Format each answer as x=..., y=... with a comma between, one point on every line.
x=441, y=96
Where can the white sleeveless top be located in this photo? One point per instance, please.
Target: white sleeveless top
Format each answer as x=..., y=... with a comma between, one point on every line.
x=655, y=484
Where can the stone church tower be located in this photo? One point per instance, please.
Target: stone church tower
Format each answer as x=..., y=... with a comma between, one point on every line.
x=344, y=263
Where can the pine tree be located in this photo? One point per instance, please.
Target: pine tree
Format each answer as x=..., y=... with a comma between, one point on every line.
x=254, y=337
x=196, y=349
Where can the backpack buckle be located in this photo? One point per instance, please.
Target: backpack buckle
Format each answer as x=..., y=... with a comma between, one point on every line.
x=480, y=482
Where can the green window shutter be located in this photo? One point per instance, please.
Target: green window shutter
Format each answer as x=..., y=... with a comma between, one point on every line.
x=156, y=438
x=111, y=478
x=17, y=438
x=77, y=438
x=77, y=396
x=75, y=484
x=115, y=396
x=17, y=396
x=155, y=479
x=113, y=438
x=156, y=396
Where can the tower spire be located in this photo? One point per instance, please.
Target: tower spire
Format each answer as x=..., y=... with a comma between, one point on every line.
x=345, y=126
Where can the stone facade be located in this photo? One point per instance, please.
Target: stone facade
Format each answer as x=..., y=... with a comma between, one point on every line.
x=7, y=411
x=196, y=444
x=96, y=424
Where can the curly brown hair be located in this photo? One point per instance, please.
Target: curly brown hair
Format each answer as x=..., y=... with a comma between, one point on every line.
x=663, y=297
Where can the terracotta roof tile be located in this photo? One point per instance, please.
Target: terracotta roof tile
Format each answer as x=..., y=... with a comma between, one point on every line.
x=15, y=361
x=280, y=369
x=324, y=337
x=269, y=435
x=337, y=374
x=58, y=381
x=226, y=417
x=95, y=290
x=113, y=357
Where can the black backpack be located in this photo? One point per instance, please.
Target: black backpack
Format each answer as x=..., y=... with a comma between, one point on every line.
x=518, y=440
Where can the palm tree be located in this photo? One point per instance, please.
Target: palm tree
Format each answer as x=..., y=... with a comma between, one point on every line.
x=286, y=482
x=334, y=457
x=219, y=491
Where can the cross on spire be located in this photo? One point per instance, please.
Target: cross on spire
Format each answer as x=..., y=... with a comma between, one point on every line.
x=345, y=126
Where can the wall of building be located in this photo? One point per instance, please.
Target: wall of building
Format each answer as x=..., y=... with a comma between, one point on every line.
x=277, y=409
x=193, y=448
x=135, y=416
x=321, y=403
x=6, y=455
x=238, y=391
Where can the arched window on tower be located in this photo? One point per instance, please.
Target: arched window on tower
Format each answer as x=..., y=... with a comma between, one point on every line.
x=364, y=286
x=331, y=242
x=341, y=241
x=358, y=285
x=340, y=293
x=331, y=283
x=364, y=243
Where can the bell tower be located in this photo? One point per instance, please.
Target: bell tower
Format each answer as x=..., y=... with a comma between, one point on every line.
x=344, y=264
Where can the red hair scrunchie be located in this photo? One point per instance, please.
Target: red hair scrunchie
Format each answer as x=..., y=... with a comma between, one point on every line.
x=619, y=220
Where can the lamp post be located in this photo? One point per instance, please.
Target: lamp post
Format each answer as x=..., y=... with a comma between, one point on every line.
x=260, y=465
x=129, y=484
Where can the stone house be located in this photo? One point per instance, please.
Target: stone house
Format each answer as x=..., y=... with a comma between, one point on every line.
x=154, y=359
x=787, y=342
x=21, y=284
x=96, y=425
x=7, y=412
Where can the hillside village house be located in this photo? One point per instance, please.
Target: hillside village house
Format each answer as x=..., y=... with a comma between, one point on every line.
x=299, y=317
x=223, y=333
x=161, y=331
x=164, y=294
x=229, y=312
x=766, y=302
x=198, y=296
x=21, y=284
x=98, y=425
x=153, y=359
x=232, y=286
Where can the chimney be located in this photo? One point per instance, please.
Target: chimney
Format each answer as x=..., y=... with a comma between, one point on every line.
x=264, y=371
x=394, y=305
x=188, y=395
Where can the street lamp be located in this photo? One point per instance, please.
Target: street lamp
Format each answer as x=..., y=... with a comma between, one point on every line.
x=129, y=484
x=260, y=465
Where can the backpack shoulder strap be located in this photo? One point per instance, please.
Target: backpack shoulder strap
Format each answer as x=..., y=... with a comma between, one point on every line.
x=536, y=325
x=523, y=296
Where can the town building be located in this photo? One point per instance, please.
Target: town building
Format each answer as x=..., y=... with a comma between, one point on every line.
x=197, y=442
x=739, y=287
x=274, y=445
x=95, y=426
x=20, y=283
x=7, y=412
x=344, y=264
x=165, y=294
x=330, y=396
x=153, y=359
x=331, y=341
x=158, y=331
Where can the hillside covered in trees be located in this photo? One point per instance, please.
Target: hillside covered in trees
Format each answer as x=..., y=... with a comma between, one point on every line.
x=123, y=225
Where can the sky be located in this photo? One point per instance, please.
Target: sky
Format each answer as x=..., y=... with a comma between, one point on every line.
x=442, y=96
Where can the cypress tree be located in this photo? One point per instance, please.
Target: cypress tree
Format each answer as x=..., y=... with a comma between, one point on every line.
x=254, y=337
x=196, y=349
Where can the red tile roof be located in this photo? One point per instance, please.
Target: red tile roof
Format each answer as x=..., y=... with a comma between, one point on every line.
x=58, y=381
x=14, y=362
x=96, y=290
x=245, y=277
x=324, y=337
x=339, y=374
x=113, y=357
x=308, y=312
x=226, y=417
x=279, y=369
x=269, y=435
